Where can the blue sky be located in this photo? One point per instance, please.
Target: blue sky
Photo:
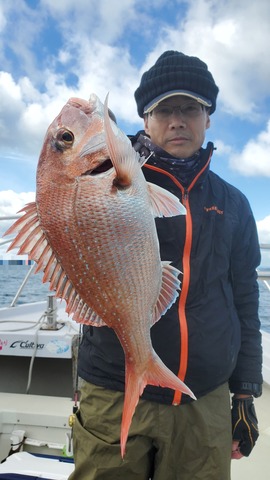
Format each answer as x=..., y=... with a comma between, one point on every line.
x=52, y=50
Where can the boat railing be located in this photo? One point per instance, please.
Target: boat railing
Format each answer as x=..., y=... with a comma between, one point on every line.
x=263, y=273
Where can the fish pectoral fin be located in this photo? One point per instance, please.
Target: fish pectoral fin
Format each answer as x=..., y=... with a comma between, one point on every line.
x=164, y=203
x=168, y=292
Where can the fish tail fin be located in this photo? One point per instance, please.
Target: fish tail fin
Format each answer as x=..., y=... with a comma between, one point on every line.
x=123, y=156
x=156, y=373
x=160, y=375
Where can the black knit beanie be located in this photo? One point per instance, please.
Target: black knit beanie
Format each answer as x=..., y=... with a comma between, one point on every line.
x=176, y=73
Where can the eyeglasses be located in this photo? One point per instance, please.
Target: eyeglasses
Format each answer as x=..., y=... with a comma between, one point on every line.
x=187, y=110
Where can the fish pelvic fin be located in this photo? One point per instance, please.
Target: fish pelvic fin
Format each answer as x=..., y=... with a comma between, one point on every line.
x=169, y=290
x=156, y=373
x=31, y=240
x=164, y=203
x=123, y=156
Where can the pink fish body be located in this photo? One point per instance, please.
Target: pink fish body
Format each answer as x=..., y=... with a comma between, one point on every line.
x=93, y=234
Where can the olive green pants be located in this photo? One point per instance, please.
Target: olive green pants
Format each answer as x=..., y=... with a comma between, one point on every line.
x=187, y=442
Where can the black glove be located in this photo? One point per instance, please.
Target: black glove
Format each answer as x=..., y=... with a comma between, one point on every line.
x=244, y=424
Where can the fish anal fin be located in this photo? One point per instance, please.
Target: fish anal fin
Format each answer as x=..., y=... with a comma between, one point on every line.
x=163, y=202
x=169, y=290
x=84, y=314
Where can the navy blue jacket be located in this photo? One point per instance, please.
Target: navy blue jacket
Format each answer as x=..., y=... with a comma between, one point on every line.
x=211, y=335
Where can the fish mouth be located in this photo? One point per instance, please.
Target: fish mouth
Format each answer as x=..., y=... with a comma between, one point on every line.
x=101, y=168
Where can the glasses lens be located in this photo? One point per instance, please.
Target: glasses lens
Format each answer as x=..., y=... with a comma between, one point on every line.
x=187, y=110
x=191, y=109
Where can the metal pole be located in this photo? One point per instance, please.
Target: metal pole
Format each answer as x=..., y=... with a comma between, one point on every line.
x=14, y=301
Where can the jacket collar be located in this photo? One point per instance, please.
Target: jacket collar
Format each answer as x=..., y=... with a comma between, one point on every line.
x=183, y=169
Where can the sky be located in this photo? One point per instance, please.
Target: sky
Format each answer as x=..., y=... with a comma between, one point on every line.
x=53, y=50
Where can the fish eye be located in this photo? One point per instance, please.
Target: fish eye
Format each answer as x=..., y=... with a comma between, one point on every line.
x=67, y=137
x=64, y=139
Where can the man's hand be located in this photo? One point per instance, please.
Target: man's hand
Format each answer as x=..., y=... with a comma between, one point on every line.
x=244, y=426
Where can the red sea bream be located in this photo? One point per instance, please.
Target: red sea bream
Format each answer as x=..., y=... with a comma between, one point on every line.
x=92, y=232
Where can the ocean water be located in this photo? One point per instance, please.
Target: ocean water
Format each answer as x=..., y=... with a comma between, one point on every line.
x=11, y=277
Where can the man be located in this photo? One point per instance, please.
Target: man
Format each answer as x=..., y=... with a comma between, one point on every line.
x=210, y=337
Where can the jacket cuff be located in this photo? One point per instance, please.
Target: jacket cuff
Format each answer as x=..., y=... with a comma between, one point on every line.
x=246, y=388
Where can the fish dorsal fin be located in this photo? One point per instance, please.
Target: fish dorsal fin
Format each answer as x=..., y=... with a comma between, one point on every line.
x=164, y=203
x=31, y=240
x=125, y=159
x=168, y=292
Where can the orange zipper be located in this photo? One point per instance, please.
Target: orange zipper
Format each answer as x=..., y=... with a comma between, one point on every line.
x=183, y=360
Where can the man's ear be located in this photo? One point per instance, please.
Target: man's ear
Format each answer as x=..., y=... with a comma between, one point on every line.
x=145, y=119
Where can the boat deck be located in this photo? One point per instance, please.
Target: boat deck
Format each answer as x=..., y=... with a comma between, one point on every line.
x=256, y=466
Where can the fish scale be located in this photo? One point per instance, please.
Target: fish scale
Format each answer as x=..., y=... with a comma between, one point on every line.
x=94, y=237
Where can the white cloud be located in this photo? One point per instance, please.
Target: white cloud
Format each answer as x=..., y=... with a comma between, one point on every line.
x=103, y=21
x=25, y=113
x=217, y=32
x=94, y=45
x=10, y=204
x=264, y=230
x=254, y=158
x=232, y=38
x=13, y=108
x=263, y=227
x=222, y=148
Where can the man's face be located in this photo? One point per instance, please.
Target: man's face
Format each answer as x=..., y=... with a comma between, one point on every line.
x=179, y=132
